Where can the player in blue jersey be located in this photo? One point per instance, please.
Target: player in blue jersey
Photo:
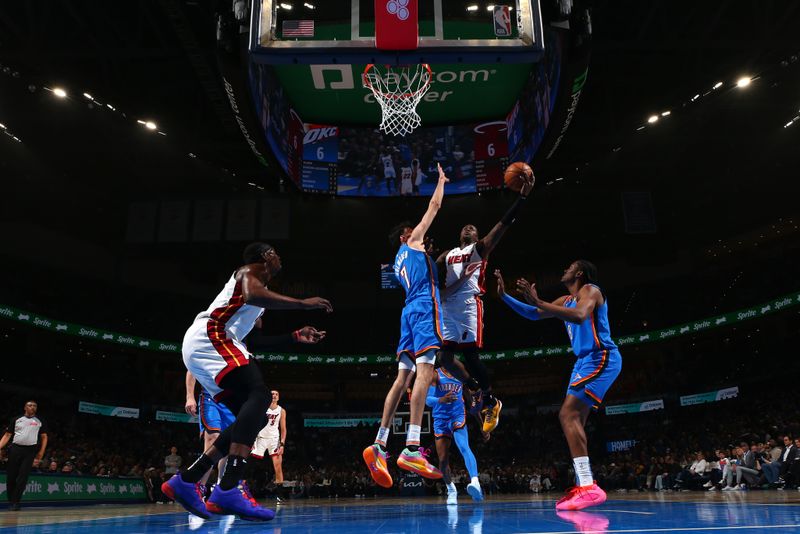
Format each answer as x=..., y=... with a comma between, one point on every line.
x=585, y=314
x=420, y=341
x=446, y=400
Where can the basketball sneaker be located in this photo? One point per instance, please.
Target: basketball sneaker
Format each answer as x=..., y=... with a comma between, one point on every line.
x=580, y=497
x=237, y=501
x=584, y=521
x=452, y=497
x=187, y=494
x=375, y=458
x=475, y=491
x=417, y=463
x=491, y=416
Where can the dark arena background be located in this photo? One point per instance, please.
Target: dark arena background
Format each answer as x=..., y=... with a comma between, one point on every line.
x=145, y=144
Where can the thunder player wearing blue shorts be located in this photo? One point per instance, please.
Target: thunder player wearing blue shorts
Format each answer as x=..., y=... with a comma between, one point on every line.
x=585, y=314
x=420, y=341
x=446, y=400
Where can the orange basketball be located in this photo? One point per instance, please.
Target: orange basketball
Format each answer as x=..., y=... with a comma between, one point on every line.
x=517, y=174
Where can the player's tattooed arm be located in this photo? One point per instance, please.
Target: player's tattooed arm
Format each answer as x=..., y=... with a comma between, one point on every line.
x=256, y=294
x=418, y=234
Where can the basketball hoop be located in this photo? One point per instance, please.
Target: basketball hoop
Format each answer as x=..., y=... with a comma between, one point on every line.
x=398, y=90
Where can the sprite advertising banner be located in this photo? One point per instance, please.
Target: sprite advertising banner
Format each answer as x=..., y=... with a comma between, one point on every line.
x=78, y=488
x=685, y=329
x=711, y=396
x=340, y=423
x=111, y=411
x=636, y=407
x=175, y=417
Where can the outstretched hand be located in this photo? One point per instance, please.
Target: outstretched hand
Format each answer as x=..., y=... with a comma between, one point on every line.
x=527, y=185
x=528, y=291
x=501, y=286
x=442, y=177
x=318, y=303
x=309, y=334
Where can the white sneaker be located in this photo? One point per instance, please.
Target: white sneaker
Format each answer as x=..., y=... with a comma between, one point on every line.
x=474, y=490
x=728, y=488
x=195, y=522
x=707, y=484
x=712, y=488
x=452, y=497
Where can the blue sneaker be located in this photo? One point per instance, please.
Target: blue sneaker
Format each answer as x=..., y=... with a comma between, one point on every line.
x=237, y=501
x=188, y=495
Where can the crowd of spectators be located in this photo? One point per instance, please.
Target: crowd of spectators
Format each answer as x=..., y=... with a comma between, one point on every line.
x=681, y=450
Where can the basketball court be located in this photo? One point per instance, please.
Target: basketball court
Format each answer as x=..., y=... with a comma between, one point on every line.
x=745, y=512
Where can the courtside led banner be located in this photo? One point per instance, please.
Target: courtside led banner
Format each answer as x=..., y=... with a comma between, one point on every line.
x=45, y=488
x=175, y=417
x=711, y=396
x=110, y=411
x=636, y=407
x=340, y=423
x=63, y=327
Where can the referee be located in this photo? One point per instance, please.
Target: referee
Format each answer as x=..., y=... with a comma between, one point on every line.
x=28, y=441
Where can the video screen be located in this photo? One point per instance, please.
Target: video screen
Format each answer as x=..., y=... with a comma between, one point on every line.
x=364, y=162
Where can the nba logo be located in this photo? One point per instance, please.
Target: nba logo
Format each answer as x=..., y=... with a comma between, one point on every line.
x=502, y=21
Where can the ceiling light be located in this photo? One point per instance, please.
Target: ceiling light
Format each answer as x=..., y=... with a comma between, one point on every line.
x=788, y=124
x=309, y=6
x=2, y=126
x=87, y=95
x=286, y=6
x=695, y=97
x=743, y=81
x=717, y=85
x=666, y=113
x=59, y=92
x=110, y=107
x=150, y=125
x=473, y=7
x=652, y=119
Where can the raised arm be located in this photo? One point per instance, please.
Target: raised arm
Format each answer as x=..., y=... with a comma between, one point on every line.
x=191, y=402
x=418, y=234
x=486, y=244
x=589, y=297
x=256, y=294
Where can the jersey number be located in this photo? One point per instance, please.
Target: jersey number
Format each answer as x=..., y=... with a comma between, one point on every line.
x=404, y=276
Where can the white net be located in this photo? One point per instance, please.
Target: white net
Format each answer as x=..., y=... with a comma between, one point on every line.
x=398, y=90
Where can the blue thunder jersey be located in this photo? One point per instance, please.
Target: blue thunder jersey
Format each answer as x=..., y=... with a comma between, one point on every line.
x=592, y=335
x=414, y=270
x=447, y=383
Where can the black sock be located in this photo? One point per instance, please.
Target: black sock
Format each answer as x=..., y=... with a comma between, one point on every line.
x=197, y=469
x=234, y=472
x=412, y=448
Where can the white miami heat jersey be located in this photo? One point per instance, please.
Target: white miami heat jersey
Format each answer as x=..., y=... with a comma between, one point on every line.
x=388, y=165
x=229, y=311
x=273, y=427
x=458, y=260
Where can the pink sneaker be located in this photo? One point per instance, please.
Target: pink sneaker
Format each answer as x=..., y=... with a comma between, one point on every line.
x=584, y=521
x=581, y=497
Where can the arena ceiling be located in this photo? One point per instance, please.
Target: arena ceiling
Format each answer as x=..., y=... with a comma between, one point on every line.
x=714, y=167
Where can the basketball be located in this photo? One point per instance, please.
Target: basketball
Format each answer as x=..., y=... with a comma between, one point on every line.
x=517, y=174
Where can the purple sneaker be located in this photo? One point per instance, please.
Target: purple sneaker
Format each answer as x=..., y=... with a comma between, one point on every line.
x=188, y=495
x=237, y=501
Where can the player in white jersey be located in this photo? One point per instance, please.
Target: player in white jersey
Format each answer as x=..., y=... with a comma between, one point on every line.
x=389, y=174
x=214, y=352
x=462, y=308
x=272, y=438
x=406, y=181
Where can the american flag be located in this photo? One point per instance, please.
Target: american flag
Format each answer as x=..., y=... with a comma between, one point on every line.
x=298, y=28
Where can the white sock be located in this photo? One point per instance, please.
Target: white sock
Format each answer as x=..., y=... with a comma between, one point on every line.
x=475, y=481
x=583, y=472
x=413, y=435
x=451, y=488
x=383, y=435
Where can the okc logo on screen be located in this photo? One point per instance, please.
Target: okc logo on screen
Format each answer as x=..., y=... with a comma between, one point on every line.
x=398, y=7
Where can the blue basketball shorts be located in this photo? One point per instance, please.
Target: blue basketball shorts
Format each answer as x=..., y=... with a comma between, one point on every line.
x=593, y=375
x=213, y=416
x=420, y=330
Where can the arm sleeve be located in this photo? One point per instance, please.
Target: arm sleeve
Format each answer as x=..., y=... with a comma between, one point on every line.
x=525, y=310
x=431, y=400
